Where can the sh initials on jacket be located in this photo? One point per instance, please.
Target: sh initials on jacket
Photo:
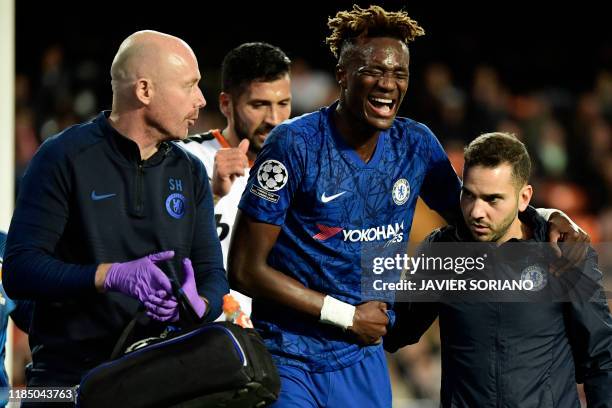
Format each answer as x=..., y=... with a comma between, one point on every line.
x=327, y=199
x=98, y=197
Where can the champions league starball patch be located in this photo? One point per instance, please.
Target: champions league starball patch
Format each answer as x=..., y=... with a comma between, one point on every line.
x=272, y=175
x=536, y=274
x=175, y=205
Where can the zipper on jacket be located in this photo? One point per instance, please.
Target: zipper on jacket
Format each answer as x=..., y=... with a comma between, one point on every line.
x=498, y=375
x=139, y=184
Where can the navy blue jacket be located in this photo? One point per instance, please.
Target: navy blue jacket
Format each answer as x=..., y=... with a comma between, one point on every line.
x=516, y=354
x=87, y=198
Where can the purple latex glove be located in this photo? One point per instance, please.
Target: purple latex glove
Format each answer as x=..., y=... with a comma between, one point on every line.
x=190, y=289
x=143, y=280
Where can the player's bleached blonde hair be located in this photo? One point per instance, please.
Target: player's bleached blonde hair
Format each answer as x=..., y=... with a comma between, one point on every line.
x=373, y=21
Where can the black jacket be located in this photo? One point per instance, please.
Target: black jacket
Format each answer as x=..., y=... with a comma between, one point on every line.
x=87, y=198
x=516, y=354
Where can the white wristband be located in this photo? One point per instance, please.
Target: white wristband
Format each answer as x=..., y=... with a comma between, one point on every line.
x=547, y=212
x=337, y=313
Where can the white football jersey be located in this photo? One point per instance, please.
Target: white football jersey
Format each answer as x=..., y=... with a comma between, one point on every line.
x=205, y=146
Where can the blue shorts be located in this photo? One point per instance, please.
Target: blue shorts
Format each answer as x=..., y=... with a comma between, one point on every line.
x=365, y=384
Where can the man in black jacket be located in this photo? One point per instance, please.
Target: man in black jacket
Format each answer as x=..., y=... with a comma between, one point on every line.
x=112, y=215
x=526, y=351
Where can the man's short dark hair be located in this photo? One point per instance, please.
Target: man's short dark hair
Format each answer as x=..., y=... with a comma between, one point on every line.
x=256, y=61
x=493, y=149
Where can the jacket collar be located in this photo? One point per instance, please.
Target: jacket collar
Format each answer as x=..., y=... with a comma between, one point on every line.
x=126, y=147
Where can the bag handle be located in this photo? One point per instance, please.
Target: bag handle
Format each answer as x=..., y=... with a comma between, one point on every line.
x=187, y=318
x=187, y=314
x=126, y=334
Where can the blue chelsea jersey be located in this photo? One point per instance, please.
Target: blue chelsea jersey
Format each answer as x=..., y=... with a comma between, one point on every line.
x=329, y=204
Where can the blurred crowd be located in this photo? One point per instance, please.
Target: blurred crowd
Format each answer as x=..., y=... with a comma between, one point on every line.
x=568, y=134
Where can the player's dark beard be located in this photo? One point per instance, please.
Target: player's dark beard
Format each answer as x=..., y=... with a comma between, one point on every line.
x=242, y=132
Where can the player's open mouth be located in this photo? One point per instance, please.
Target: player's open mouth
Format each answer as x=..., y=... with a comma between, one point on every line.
x=382, y=106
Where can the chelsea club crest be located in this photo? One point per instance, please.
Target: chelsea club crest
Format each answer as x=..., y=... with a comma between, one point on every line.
x=175, y=205
x=536, y=275
x=401, y=191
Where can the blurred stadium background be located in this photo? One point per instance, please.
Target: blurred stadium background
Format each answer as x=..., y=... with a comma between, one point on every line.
x=545, y=75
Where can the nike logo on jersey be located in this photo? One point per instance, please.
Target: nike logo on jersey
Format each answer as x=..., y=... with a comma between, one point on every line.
x=97, y=197
x=326, y=199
